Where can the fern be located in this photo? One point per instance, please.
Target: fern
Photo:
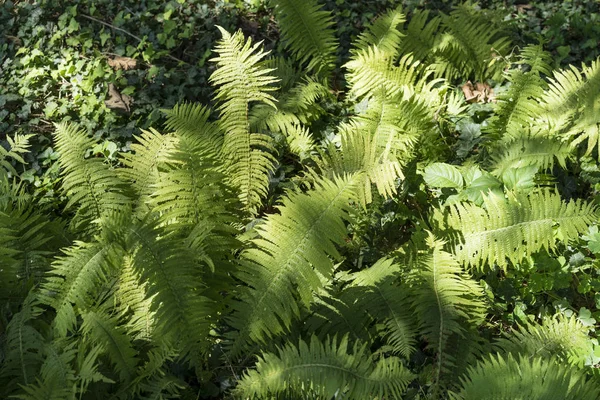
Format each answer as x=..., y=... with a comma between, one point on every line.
x=565, y=339
x=571, y=104
x=509, y=377
x=90, y=184
x=289, y=259
x=242, y=78
x=307, y=32
x=383, y=33
x=324, y=370
x=513, y=228
x=532, y=150
x=517, y=108
x=446, y=302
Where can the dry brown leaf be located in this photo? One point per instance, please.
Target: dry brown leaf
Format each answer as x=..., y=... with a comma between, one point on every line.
x=123, y=63
x=116, y=100
x=480, y=93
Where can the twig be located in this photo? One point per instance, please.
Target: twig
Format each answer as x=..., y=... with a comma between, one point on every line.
x=127, y=33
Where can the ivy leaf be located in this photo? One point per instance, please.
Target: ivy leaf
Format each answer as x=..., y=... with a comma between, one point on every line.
x=585, y=317
x=593, y=239
x=443, y=175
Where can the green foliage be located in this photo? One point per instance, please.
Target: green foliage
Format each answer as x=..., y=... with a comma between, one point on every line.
x=327, y=369
x=392, y=239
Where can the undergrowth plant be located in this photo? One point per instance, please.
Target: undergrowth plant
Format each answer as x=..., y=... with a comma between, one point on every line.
x=253, y=251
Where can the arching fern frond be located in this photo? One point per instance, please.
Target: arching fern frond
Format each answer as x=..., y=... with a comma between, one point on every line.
x=191, y=119
x=74, y=278
x=242, y=78
x=22, y=348
x=512, y=228
x=572, y=104
x=89, y=183
x=565, y=339
x=469, y=45
x=378, y=142
x=517, y=109
x=19, y=144
x=105, y=331
x=536, y=150
x=142, y=163
x=324, y=370
x=509, y=377
x=308, y=33
x=372, y=71
x=383, y=33
x=419, y=35
x=446, y=300
x=291, y=255
x=183, y=315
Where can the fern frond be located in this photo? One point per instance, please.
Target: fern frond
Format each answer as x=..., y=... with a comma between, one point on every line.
x=183, y=314
x=565, y=339
x=133, y=301
x=22, y=349
x=419, y=35
x=324, y=370
x=372, y=71
x=74, y=278
x=531, y=150
x=468, y=46
x=572, y=104
x=241, y=78
x=509, y=377
x=105, y=331
x=388, y=303
x=383, y=33
x=308, y=33
x=518, y=108
x=446, y=300
x=19, y=144
x=189, y=119
x=513, y=228
x=151, y=148
x=90, y=184
x=378, y=142
x=291, y=255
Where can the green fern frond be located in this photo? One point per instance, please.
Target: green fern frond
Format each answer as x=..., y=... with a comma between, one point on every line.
x=513, y=228
x=183, y=315
x=517, y=109
x=308, y=33
x=151, y=148
x=22, y=348
x=509, y=377
x=323, y=371
x=89, y=183
x=291, y=255
x=378, y=143
x=189, y=119
x=74, y=279
x=419, y=35
x=383, y=33
x=572, y=104
x=105, y=331
x=372, y=71
x=531, y=150
x=241, y=78
x=28, y=239
x=388, y=303
x=446, y=301
x=564, y=338
x=19, y=144
x=469, y=45
x=134, y=302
